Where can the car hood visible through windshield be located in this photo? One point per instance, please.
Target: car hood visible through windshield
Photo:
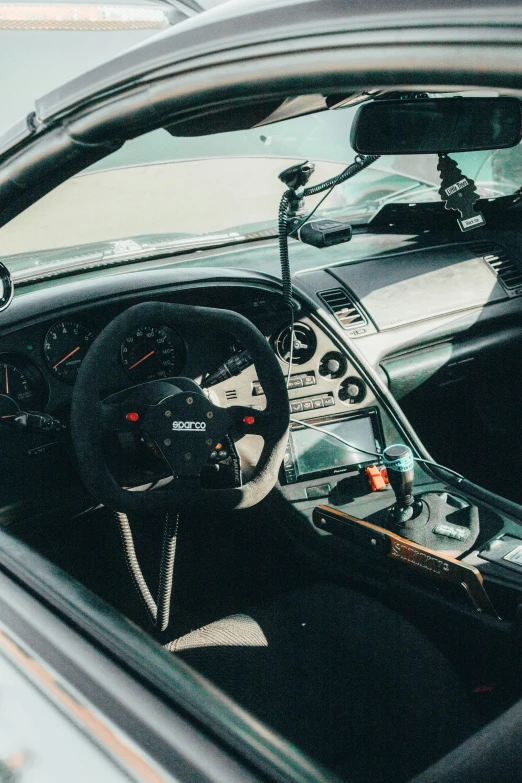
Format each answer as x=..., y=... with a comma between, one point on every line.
x=191, y=197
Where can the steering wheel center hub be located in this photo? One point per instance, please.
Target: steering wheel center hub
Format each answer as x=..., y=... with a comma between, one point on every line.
x=186, y=427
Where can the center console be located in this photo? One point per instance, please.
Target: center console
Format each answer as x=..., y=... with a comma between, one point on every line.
x=441, y=531
x=334, y=471
x=414, y=524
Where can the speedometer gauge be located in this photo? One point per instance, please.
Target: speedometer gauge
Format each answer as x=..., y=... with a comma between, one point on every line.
x=153, y=352
x=65, y=346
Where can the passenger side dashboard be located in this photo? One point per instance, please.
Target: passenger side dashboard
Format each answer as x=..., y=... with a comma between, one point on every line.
x=441, y=324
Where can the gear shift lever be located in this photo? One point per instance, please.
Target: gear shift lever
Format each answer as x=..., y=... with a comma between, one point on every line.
x=435, y=519
x=398, y=460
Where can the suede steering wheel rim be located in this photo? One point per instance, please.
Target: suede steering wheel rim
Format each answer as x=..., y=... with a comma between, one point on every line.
x=178, y=412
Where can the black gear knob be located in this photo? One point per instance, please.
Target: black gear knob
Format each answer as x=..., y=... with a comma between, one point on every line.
x=398, y=461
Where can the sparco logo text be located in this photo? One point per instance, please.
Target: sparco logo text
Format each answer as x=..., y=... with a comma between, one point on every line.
x=189, y=425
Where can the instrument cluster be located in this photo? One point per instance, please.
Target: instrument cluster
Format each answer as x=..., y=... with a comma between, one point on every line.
x=153, y=351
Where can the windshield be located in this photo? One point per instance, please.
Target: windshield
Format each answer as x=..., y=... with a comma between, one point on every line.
x=160, y=189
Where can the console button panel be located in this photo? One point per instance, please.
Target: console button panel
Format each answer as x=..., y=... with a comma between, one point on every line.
x=312, y=403
x=327, y=383
x=297, y=381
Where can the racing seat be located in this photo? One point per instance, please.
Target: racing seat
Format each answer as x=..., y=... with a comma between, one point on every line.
x=341, y=676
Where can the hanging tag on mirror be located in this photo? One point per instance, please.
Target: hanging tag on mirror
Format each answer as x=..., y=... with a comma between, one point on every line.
x=459, y=193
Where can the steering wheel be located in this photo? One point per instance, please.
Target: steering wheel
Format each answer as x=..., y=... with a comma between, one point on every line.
x=183, y=425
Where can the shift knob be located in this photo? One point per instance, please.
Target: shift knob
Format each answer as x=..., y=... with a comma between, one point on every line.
x=398, y=460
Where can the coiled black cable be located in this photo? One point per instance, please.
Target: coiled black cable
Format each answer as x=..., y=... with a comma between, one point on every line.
x=158, y=615
x=360, y=163
x=134, y=567
x=286, y=276
x=168, y=555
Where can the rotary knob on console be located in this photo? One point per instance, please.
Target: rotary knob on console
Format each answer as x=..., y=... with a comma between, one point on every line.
x=352, y=390
x=333, y=365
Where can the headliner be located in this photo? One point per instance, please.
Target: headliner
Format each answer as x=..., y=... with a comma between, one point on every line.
x=241, y=23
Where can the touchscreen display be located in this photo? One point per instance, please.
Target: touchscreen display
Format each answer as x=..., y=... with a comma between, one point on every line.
x=314, y=451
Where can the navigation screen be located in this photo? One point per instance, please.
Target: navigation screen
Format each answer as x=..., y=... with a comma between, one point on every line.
x=314, y=451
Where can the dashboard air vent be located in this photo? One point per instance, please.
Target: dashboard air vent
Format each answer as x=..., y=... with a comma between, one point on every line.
x=345, y=309
x=230, y=395
x=506, y=268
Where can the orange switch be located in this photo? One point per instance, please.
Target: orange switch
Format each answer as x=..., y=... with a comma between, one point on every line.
x=377, y=480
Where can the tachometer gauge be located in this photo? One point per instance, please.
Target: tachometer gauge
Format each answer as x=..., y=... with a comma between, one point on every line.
x=65, y=346
x=153, y=352
x=305, y=344
x=20, y=387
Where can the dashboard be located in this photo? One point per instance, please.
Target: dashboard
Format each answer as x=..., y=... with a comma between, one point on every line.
x=40, y=356
x=399, y=311
x=39, y=363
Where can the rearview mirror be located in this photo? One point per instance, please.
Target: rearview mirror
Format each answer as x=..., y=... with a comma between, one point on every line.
x=433, y=125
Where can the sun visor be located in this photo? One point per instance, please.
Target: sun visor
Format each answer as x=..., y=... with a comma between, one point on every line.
x=225, y=119
x=254, y=114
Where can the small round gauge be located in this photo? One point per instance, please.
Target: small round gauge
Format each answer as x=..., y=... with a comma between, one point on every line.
x=153, y=352
x=65, y=346
x=20, y=387
x=305, y=344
